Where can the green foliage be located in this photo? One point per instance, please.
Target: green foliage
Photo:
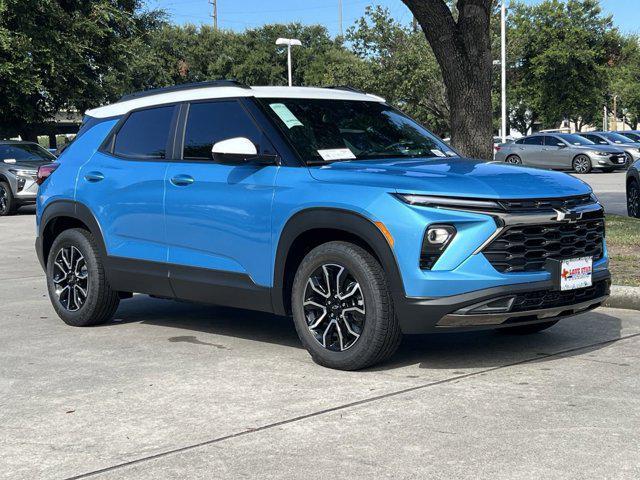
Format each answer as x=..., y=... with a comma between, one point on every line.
x=626, y=80
x=559, y=57
x=65, y=55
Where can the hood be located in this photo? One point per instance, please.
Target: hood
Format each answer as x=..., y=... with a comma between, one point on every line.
x=453, y=177
x=599, y=148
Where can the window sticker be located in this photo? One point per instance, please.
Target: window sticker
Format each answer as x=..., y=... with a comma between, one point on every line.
x=10, y=160
x=438, y=153
x=285, y=115
x=336, y=154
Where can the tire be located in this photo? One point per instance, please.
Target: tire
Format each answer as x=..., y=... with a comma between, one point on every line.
x=8, y=204
x=68, y=276
x=514, y=160
x=633, y=199
x=527, y=329
x=581, y=164
x=368, y=311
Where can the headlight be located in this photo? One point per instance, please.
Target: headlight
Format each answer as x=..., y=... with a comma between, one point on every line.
x=19, y=172
x=449, y=202
x=603, y=154
x=436, y=240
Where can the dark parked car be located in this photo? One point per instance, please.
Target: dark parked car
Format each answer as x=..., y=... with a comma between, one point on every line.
x=633, y=190
x=19, y=162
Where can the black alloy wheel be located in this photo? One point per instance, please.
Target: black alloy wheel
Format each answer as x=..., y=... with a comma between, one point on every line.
x=334, y=307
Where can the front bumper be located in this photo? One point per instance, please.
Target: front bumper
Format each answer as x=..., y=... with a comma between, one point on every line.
x=535, y=302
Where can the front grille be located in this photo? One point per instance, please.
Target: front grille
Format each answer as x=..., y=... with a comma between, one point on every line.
x=526, y=248
x=546, y=203
x=542, y=299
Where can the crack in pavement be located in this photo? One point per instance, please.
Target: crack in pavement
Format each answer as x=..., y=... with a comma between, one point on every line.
x=342, y=407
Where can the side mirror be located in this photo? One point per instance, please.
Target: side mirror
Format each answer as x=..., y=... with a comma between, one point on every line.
x=561, y=145
x=239, y=150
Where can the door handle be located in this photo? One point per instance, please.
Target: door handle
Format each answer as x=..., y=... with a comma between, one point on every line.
x=182, y=180
x=94, y=177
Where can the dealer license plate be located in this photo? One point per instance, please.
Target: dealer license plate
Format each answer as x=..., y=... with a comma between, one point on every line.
x=576, y=273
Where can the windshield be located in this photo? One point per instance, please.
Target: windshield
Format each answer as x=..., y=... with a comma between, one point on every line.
x=575, y=139
x=331, y=130
x=616, y=138
x=24, y=152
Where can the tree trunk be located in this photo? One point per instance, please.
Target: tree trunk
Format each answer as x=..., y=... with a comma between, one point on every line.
x=463, y=50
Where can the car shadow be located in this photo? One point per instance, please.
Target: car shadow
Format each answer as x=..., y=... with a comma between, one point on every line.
x=483, y=349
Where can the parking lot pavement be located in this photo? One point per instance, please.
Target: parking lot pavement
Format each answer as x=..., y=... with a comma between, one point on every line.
x=610, y=189
x=173, y=390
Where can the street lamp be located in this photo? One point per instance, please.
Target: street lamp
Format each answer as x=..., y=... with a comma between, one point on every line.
x=289, y=42
x=503, y=55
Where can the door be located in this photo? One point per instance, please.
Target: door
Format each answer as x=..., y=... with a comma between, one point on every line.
x=556, y=153
x=123, y=186
x=532, y=151
x=219, y=215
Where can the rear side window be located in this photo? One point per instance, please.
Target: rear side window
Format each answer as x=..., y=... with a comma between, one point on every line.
x=211, y=122
x=145, y=134
x=533, y=141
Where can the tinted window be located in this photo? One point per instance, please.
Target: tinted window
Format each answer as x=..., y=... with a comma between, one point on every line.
x=145, y=134
x=25, y=152
x=212, y=122
x=533, y=140
x=552, y=141
x=595, y=139
x=519, y=142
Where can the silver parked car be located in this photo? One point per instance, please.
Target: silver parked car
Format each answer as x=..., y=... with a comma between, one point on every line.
x=561, y=151
x=19, y=162
x=630, y=147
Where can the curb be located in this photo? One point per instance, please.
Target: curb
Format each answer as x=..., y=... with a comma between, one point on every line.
x=624, y=297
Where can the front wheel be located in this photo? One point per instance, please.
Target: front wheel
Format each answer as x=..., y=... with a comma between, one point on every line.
x=7, y=202
x=582, y=164
x=76, y=280
x=633, y=199
x=342, y=308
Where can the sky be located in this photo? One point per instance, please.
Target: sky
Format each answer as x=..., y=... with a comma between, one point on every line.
x=241, y=14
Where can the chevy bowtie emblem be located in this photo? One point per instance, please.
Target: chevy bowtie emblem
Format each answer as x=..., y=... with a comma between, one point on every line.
x=568, y=216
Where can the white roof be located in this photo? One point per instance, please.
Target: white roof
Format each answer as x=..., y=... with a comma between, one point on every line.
x=121, y=108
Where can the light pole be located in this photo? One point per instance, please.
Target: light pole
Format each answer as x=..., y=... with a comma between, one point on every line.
x=289, y=42
x=503, y=53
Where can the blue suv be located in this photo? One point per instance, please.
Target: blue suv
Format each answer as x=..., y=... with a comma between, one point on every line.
x=326, y=204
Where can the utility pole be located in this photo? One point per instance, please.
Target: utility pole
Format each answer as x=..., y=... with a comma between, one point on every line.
x=503, y=53
x=340, y=18
x=214, y=4
x=615, y=112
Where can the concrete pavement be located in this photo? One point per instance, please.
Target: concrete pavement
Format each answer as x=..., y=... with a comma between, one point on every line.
x=173, y=390
x=610, y=189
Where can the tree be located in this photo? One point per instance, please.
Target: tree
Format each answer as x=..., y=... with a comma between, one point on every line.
x=64, y=55
x=461, y=42
x=625, y=81
x=562, y=67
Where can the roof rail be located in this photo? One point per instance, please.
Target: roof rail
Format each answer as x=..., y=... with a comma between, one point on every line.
x=184, y=86
x=347, y=88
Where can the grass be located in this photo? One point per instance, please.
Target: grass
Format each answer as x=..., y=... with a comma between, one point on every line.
x=623, y=243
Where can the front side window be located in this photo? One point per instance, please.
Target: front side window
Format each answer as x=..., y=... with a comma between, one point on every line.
x=145, y=134
x=323, y=130
x=552, y=141
x=211, y=122
x=537, y=140
x=595, y=139
x=24, y=152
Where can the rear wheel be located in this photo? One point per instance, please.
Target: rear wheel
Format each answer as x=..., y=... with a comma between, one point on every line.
x=76, y=280
x=633, y=199
x=527, y=329
x=8, y=204
x=514, y=159
x=582, y=164
x=342, y=307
